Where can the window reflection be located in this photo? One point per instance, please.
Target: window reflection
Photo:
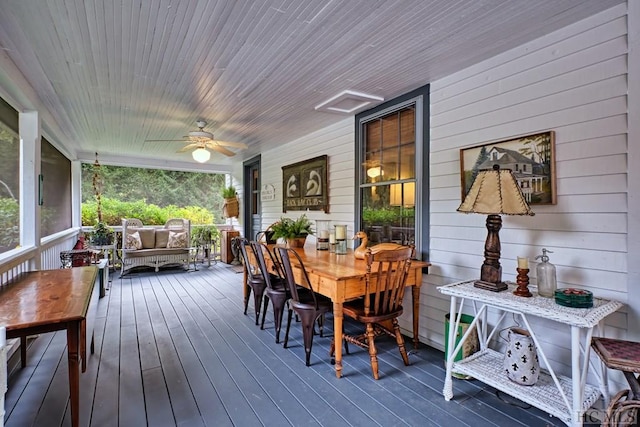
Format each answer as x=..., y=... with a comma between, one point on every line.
x=9, y=178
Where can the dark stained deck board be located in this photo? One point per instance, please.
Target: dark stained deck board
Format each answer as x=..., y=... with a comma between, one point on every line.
x=173, y=348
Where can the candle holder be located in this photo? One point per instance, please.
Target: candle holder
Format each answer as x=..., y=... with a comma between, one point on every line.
x=341, y=239
x=332, y=241
x=523, y=283
x=322, y=235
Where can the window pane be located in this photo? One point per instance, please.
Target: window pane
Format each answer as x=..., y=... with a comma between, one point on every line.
x=390, y=130
x=407, y=125
x=9, y=178
x=56, y=190
x=388, y=213
x=371, y=149
x=389, y=154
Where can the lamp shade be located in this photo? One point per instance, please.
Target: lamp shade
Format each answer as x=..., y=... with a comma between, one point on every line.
x=201, y=155
x=374, y=172
x=495, y=192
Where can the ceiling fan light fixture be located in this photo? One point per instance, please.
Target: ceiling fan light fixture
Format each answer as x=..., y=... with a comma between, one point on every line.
x=201, y=135
x=201, y=155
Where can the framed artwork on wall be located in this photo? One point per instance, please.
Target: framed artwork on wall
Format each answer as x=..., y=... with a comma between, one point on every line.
x=304, y=185
x=530, y=157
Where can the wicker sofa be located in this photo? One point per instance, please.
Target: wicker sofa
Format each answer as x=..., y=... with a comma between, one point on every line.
x=155, y=246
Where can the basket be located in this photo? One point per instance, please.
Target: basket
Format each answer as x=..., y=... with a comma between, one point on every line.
x=231, y=207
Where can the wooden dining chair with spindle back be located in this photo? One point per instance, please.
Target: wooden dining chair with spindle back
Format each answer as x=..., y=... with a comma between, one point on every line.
x=308, y=305
x=385, y=281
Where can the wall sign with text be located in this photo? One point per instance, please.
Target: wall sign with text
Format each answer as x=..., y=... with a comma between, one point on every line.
x=304, y=185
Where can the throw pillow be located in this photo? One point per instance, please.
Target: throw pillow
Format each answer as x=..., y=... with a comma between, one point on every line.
x=162, y=238
x=133, y=241
x=177, y=240
x=148, y=237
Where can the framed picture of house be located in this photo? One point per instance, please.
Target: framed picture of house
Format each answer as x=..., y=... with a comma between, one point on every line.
x=304, y=185
x=530, y=157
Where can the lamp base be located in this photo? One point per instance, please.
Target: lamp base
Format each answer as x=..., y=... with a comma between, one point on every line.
x=489, y=286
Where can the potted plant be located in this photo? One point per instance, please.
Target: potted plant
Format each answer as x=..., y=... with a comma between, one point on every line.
x=102, y=234
x=231, y=207
x=202, y=238
x=293, y=231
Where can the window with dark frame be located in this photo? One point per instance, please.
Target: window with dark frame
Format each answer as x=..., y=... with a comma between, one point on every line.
x=392, y=177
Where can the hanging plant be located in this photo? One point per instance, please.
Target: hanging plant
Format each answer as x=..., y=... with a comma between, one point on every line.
x=97, y=187
x=231, y=207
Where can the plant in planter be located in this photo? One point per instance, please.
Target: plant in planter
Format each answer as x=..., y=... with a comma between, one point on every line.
x=293, y=231
x=231, y=207
x=102, y=234
x=202, y=238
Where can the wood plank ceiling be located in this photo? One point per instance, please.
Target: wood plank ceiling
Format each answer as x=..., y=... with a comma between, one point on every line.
x=114, y=74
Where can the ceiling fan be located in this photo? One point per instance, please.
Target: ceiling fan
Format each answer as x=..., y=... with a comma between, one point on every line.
x=201, y=141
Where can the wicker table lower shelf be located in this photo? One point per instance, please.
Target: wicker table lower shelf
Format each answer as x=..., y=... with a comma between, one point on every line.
x=486, y=366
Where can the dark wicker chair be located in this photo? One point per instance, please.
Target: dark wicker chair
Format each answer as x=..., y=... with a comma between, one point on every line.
x=276, y=290
x=308, y=305
x=255, y=281
x=379, y=310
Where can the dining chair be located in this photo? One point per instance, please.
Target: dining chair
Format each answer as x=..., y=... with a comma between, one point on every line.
x=308, y=305
x=276, y=290
x=255, y=281
x=385, y=281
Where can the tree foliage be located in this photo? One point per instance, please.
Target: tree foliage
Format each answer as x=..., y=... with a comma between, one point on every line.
x=9, y=224
x=151, y=195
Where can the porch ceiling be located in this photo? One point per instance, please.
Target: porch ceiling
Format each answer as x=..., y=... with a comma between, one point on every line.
x=114, y=74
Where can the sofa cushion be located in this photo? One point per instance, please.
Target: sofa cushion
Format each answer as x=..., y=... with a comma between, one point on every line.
x=177, y=240
x=148, y=237
x=133, y=241
x=162, y=238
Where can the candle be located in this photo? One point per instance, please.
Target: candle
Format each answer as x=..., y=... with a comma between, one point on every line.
x=332, y=238
x=324, y=234
x=523, y=263
x=341, y=232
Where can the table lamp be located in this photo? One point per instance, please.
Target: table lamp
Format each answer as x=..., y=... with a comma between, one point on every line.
x=494, y=192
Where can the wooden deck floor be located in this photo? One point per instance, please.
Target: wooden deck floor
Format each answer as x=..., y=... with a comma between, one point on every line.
x=173, y=348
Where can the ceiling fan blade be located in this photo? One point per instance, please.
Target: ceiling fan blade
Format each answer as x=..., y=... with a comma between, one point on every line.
x=221, y=149
x=231, y=144
x=189, y=147
x=164, y=140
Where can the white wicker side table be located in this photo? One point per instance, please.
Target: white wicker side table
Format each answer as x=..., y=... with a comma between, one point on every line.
x=565, y=398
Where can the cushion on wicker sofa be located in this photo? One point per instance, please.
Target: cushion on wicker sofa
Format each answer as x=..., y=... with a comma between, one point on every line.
x=162, y=238
x=177, y=239
x=154, y=249
x=147, y=236
x=133, y=241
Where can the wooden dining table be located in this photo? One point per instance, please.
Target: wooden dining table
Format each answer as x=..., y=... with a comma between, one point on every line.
x=44, y=301
x=341, y=277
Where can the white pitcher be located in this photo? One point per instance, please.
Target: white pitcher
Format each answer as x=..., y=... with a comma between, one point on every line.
x=521, y=358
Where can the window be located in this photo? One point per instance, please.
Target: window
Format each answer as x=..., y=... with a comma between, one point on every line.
x=392, y=158
x=9, y=178
x=56, y=190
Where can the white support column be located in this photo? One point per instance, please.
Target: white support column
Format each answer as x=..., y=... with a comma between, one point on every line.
x=29, y=129
x=76, y=193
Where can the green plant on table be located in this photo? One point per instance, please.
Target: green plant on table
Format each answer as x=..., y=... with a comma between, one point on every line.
x=288, y=228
